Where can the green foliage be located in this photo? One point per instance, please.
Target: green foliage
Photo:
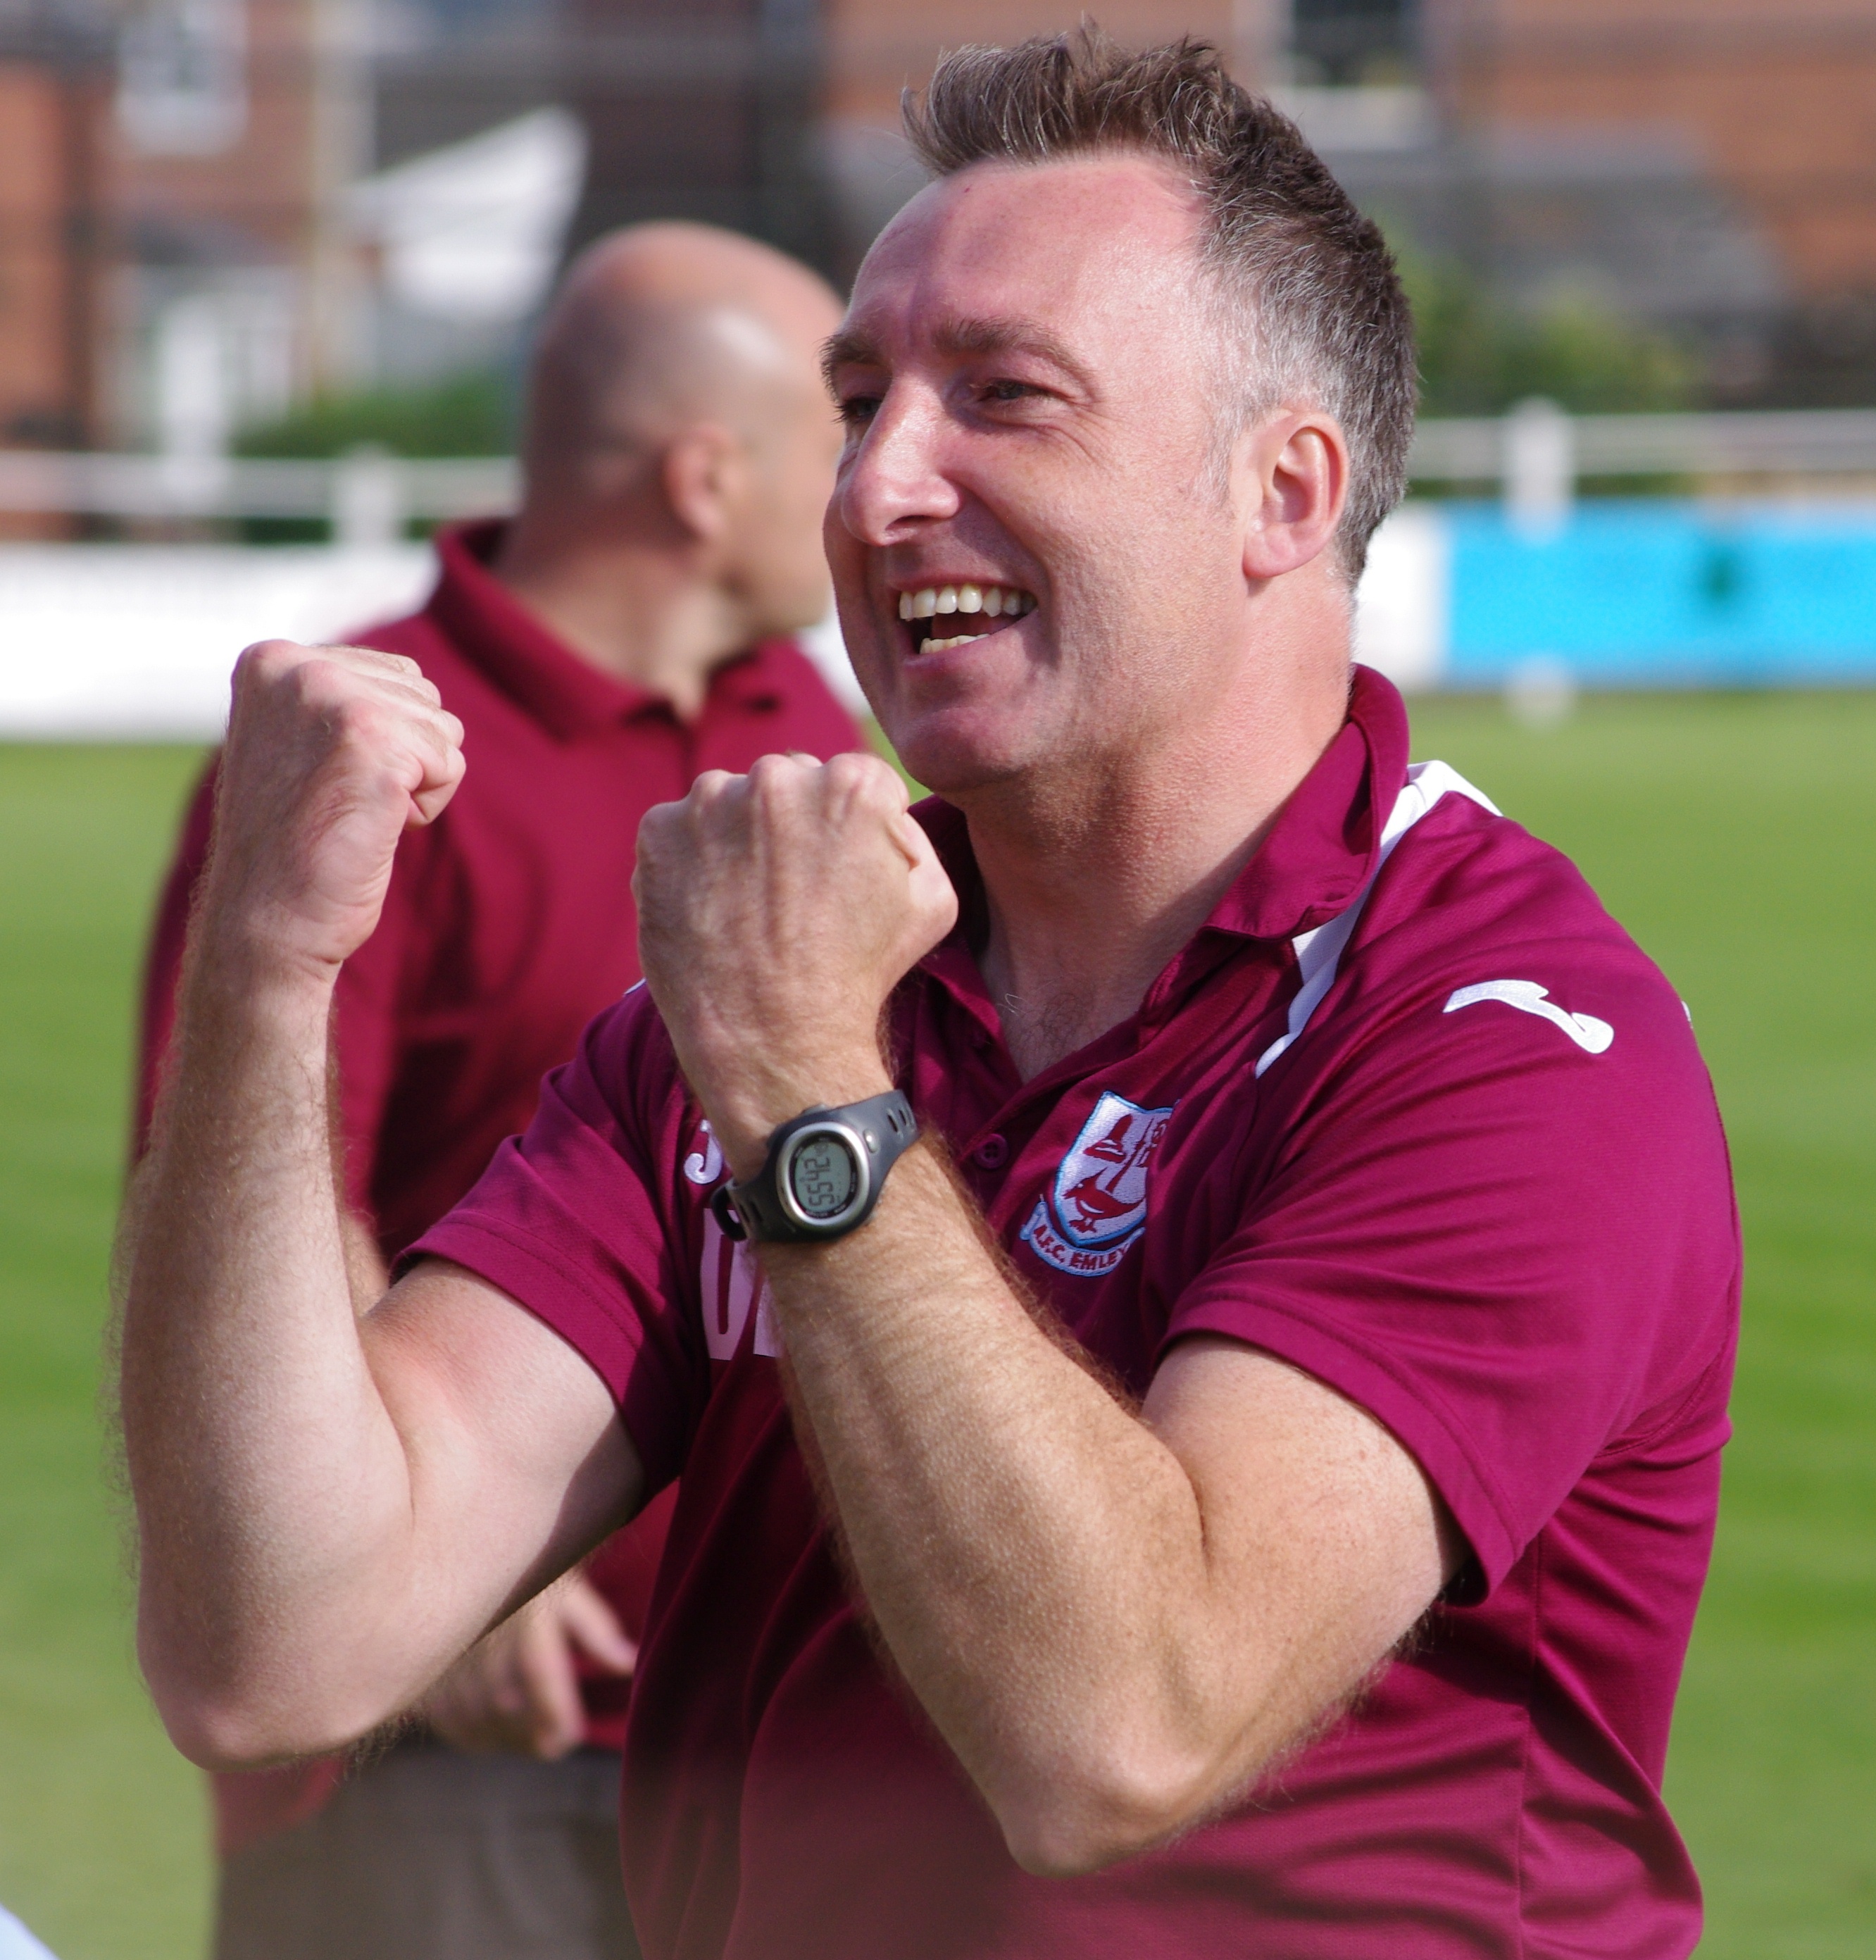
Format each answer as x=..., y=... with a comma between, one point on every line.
x=469, y=415
x=1704, y=821
x=1478, y=357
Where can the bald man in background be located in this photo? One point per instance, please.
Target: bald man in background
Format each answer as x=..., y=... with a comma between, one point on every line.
x=628, y=628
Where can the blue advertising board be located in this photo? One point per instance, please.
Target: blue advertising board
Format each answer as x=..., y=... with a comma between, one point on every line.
x=1659, y=593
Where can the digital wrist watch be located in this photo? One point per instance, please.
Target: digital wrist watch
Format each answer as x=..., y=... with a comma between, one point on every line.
x=823, y=1175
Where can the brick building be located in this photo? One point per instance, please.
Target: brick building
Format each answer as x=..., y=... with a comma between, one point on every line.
x=49, y=289
x=1741, y=133
x=1706, y=166
x=236, y=128
x=1776, y=97
x=171, y=255
x=174, y=176
x=874, y=48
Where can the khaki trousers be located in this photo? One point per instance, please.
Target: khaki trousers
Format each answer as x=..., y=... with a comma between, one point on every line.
x=431, y=1854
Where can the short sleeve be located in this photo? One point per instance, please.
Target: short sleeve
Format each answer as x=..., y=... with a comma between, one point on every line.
x=572, y=1220
x=1515, y=1251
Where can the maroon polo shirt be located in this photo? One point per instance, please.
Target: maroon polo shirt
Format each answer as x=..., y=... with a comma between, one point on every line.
x=509, y=922
x=1410, y=1111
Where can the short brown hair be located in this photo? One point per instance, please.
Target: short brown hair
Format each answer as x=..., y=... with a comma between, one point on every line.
x=1311, y=303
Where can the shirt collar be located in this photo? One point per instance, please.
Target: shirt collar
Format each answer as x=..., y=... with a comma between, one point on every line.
x=1325, y=844
x=1324, y=847
x=536, y=669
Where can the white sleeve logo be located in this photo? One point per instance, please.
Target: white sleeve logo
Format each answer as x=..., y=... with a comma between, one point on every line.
x=705, y=1165
x=1588, y=1034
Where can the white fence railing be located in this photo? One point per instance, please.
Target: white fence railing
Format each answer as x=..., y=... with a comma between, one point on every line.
x=366, y=497
x=1537, y=454
x=1796, y=443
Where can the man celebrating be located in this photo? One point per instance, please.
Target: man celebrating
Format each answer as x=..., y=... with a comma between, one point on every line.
x=626, y=629
x=1190, y=1283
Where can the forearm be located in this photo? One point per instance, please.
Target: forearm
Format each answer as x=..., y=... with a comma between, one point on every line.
x=332, y=1504
x=272, y=1488
x=1034, y=1556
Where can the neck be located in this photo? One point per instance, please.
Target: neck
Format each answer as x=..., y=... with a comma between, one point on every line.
x=1092, y=886
x=637, y=612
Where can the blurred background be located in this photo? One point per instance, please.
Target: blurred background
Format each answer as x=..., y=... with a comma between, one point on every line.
x=267, y=270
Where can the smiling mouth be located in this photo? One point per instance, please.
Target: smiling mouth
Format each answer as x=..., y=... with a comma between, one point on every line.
x=967, y=612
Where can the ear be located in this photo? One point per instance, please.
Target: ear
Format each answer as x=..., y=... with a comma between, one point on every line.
x=1293, y=483
x=704, y=474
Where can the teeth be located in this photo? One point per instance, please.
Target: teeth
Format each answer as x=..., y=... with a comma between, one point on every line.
x=987, y=602
x=990, y=602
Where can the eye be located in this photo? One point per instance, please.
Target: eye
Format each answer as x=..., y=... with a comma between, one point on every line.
x=856, y=411
x=1006, y=390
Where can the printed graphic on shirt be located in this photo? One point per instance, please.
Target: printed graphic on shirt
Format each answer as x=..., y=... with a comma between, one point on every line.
x=1096, y=1206
x=705, y=1164
x=730, y=1282
x=1591, y=1036
x=730, y=1285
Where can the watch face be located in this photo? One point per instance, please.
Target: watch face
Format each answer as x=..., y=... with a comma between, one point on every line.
x=822, y=1176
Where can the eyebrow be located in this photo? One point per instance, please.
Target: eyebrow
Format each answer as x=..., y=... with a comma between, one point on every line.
x=847, y=349
x=852, y=347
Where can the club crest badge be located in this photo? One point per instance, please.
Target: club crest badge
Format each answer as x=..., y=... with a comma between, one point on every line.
x=1095, y=1207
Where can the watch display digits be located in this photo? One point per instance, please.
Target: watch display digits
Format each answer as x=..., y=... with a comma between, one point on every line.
x=823, y=1174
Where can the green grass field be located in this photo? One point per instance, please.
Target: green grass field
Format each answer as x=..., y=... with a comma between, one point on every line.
x=1736, y=836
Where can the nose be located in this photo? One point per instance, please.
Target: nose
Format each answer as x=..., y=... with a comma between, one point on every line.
x=892, y=479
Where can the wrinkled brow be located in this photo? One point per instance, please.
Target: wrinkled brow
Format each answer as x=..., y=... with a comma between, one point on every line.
x=853, y=348
x=1011, y=334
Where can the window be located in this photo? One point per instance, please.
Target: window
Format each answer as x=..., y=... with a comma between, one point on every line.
x=1353, y=43
x=181, y=77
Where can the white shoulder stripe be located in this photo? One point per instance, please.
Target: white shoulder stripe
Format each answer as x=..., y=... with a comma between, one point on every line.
x=1591, y=1036
x=1319, y=954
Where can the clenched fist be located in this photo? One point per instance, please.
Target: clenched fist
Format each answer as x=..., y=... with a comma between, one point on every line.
x=332, y=752
x=776, y=912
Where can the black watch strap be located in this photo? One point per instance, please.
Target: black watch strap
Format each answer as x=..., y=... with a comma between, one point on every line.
x=813, y=1152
